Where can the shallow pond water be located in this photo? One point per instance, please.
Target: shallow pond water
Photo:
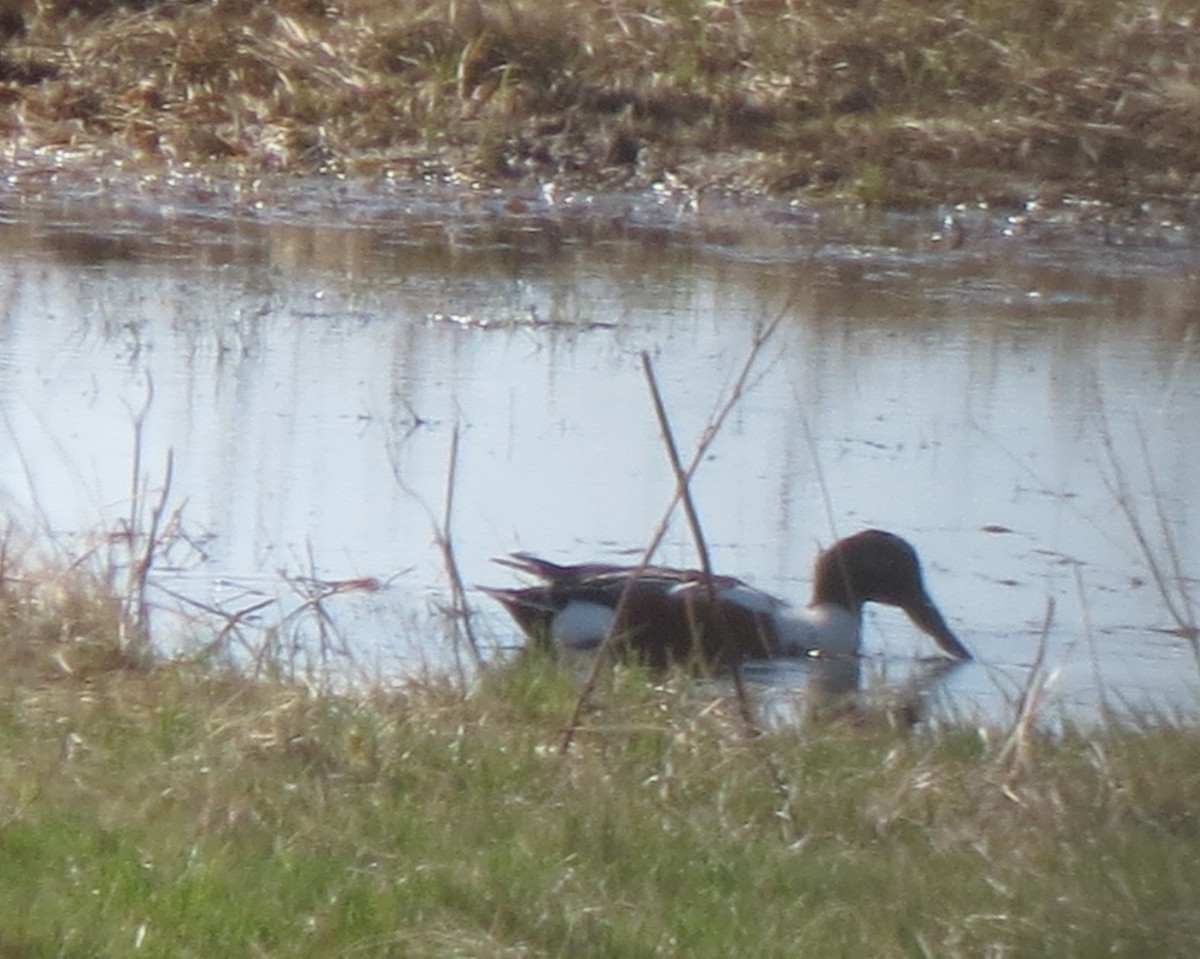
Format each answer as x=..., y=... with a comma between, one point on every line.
x=1018, y=398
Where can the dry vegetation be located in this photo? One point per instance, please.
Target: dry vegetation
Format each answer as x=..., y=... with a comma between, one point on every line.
x=877, y=101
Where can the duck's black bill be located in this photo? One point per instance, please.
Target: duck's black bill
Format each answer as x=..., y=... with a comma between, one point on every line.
x=929, y=620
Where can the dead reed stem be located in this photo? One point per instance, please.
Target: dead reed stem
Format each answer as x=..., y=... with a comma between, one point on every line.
x=232, y=623
x=684, y=492
x=460, y=611
x=1176, y=600
x=1016, y=753
x=706, y=440
x=135, y=626
x=826, y=497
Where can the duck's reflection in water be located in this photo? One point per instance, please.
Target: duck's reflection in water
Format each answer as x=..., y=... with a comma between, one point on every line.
x=832, y=689
x=780, y=693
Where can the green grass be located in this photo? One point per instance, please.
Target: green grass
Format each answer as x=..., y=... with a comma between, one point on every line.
x=166, y=809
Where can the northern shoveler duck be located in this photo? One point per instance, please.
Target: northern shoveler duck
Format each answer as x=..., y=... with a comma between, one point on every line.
x=680, y=615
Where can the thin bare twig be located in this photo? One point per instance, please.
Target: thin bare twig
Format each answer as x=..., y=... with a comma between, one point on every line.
x=1118, y=486
x=135, y=625
x=138, y=607
x=135, y=477
x=683, y=491
x=1015, y=753
x=461, y=611
x=822, y=485
x=1188, y=625
x=706, y=440
x=313, y=592
x=233, y=622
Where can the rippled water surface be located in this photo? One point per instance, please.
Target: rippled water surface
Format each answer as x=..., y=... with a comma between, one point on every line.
x=1020, y=401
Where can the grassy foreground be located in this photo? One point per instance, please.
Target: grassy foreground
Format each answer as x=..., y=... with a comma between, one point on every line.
x=876, y=101
x=162, y=809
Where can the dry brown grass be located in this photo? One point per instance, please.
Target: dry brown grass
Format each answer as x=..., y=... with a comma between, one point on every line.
x=879, y=101
x=58, y=622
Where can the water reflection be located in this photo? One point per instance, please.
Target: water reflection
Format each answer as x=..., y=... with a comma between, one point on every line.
x=834, y=689
x=996, y=403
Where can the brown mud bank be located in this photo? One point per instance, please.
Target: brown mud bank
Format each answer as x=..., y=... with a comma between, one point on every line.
x=890, y=104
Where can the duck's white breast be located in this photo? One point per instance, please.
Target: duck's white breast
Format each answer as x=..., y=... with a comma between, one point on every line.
x=827, y=629
x=581, y=625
